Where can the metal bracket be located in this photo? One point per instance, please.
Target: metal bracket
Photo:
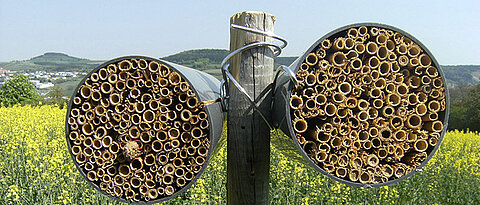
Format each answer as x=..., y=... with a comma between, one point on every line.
x=228, y=77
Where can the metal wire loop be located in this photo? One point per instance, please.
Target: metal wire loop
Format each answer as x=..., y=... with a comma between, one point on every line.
x=228, y=77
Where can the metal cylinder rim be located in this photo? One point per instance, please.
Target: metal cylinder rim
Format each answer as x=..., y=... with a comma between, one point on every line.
x=169, y=64
x=288, y=111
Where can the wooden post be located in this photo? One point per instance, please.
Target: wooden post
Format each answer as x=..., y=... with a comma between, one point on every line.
x=248, y=141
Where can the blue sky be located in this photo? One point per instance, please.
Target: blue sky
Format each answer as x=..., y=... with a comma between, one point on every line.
x=109, y=29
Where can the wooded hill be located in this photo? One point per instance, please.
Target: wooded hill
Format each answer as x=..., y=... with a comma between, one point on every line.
x=207, y=60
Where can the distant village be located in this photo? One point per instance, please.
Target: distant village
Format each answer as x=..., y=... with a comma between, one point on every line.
x=42, y=80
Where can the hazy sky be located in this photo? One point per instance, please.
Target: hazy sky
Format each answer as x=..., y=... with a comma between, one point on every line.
x=109, y=29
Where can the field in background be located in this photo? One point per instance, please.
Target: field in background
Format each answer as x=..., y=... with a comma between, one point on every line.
x=35, y=168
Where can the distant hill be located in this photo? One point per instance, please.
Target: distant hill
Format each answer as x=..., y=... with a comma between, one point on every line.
x=51, y=62
x=207, y=60
x=214, y=56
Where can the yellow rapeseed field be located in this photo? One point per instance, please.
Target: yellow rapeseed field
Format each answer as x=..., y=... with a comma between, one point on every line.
x=35, y=168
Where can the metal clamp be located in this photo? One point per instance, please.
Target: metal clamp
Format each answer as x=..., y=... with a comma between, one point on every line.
x=228, y=77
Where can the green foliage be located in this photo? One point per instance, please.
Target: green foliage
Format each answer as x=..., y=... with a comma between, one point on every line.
x=465, y=108
x=56, y=97
x=18, y=89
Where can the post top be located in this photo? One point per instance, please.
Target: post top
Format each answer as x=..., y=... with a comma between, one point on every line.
x=239, y=15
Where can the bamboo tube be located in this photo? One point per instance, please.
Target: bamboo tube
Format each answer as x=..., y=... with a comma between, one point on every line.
x=382, y=53
x=365, y=177
x=153, y=67
x=371, y=48
x=192, y=102
x=403, y=60
x=363, y=104
x=338, y=59
x=382, y=153
x=399, y=152
x=372, y=160
x=353, y=175
x=310, y=79
x=129, y=194
x=435, y=126
x=362, y=116
x=125, y=65
x=400, y=135
x=376, y=93
x=169, y=190
x=434, y=106
x=374, y=31
x=87, y=129
x=421, y=109
x=311, y=59
x=197, y=132
x=363, y=136
x=437, y=83
x=433, y=141
x=393, y=99
x=131, y=83
x=112, y=78
x=420, y=145
x=85, y=91
x=136, y=119
x=152, y=193
x=413, y=99
x=413, y=121
x=345, y=88
x=422, y=97
x=106, y=88
x=168, y=179
x=341, y=172
x=157, y=146
x=431, y=72
x=136, y=164
x=338, y=44
x=399, y=171
x=414, y=51
x=430, y=116
x=424, y=60
x=149, y=182
x=118, y=180
x=301, y=125
x=326, y=44
x=362, y=31
x=96, y=95
x=349, y=43
x=149, y=160
x=135, y=93
x=413, y=62
x=80, y=158
x=376, y=142
x=387, y=171
x=373, y=62
x=77, y=100
x=174, y=78
x=352, y=33
x=360, y=48
x=338, y=97
x=381, y=39
x=97, y=144
x=148, y=116
x=76, y=150
x=414, y=82
x=162, y=82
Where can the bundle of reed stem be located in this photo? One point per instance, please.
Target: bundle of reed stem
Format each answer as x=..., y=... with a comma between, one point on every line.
x=369, y=105
x=138, y=130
